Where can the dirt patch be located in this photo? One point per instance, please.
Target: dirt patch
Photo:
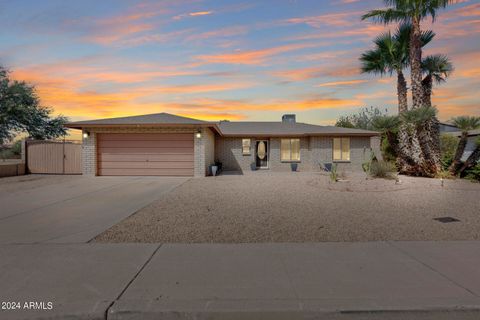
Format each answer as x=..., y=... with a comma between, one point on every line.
x=301, y=207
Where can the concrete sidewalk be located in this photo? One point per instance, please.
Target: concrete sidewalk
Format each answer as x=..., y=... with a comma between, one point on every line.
x=374, y=280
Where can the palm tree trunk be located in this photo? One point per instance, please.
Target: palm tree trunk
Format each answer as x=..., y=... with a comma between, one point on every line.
x=471, y=161
x=427, y=84
x=415, y=64
x=410, y=159
x=455, y=166
x=429, y=138
x=402, y=92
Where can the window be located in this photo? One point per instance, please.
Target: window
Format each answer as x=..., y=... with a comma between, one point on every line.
x=290, y=150
x=246, y=147
x=341, y=149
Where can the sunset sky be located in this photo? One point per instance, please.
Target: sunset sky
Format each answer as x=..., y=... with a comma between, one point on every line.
x=237, y=60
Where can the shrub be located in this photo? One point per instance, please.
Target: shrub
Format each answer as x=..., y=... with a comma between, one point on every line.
x=473, y=173
x=388, y=152
x=6, y=154
x=448, y=145
x=333, y=173
x=17, y=148
x=383, y=169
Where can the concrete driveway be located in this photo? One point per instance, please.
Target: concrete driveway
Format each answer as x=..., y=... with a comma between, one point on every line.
x=72, y=209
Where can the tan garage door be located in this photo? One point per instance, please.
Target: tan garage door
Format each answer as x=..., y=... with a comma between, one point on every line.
x=145, y=154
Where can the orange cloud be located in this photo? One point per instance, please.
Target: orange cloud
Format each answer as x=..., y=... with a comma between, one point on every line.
x=220, y=33
x=302, y=74
x=250, y=57
x=341, y=83
x=200, y=13
x=192, y=89
x=110, y=35
x=192, y=14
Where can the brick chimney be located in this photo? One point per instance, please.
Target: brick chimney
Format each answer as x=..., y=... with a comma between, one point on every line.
x=288, y=118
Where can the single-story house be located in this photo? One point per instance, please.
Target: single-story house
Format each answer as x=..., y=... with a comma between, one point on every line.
x=166, y=144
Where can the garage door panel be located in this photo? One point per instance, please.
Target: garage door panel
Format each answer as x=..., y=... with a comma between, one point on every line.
x=146, y=165
x=149, y=154
x=145, y=172
x=145, y=144
x=145, y=157
x=147, y=150
x=145, y=137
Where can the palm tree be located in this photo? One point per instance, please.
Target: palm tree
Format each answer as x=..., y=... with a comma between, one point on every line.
x=437, y=69
x=391, y=55
x=413, y=12
x=422, y=147
x=465, y=124
x=388, y=126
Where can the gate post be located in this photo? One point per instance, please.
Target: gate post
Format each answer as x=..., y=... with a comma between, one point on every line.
x=24, y=155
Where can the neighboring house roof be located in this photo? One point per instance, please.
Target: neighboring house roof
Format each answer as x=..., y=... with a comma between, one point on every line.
x=225, y=128
x=253, y=128
x=470, y=133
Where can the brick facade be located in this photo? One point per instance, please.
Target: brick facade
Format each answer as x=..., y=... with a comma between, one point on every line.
x=313, y=151
x=210, y=147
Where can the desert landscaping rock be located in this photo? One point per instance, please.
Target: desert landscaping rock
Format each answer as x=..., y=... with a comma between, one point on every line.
x=304, y=207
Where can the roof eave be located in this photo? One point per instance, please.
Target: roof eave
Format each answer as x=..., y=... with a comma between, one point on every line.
x=279, y=135
x=80, y=126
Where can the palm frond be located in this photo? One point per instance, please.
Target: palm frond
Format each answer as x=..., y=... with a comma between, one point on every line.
x=386, y=16
x=386, y=123
x=420, y=115
x=438, y=66
x=466, y=123
x=373, y=62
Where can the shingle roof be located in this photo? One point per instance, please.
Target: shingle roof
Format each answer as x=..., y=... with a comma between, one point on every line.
x=253, y=128
x=227, y=128
x=155, y=118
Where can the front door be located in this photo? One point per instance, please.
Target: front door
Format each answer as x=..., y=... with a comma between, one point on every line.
x=261, y=154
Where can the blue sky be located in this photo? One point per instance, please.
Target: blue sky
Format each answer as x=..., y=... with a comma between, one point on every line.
x=249, y=60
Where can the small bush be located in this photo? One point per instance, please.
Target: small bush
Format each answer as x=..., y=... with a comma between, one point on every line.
x=448, y=145
x=17, y=148
x=444, y=174
x=333, y=173
x=6, y=154
x=383, y=169
x=388, y=152
x=473, y=174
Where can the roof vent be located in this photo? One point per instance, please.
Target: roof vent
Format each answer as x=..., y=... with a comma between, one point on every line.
x=288, y=118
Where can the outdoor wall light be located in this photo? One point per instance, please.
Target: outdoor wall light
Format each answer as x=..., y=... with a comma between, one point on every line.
x=86, y=134
x=198, y=134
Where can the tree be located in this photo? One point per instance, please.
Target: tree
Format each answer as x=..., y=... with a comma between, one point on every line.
x=362, y=119
x=20, y=111
x=465, y=124
x=388, y=126
x=391, y=55
x=412, y=12
x=437, y=69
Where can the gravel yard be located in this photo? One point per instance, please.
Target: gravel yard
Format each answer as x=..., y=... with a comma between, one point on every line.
x=304, y=207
